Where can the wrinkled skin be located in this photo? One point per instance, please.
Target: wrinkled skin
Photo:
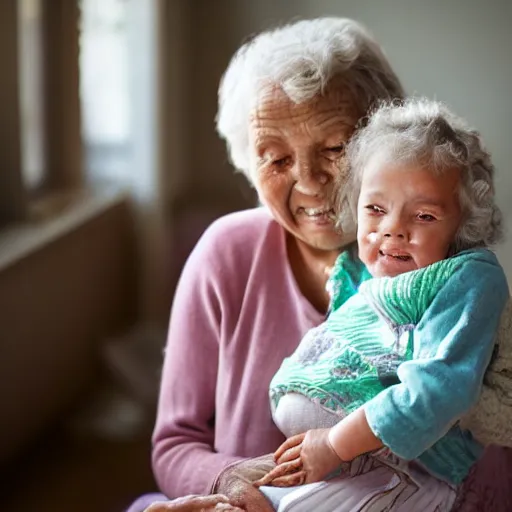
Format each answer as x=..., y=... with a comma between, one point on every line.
x=212, y=503
x=296, y=156
x=246, y=496
x=296, y=153
x=236, y=482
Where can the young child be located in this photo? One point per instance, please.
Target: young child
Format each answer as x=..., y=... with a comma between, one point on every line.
x=378, y=389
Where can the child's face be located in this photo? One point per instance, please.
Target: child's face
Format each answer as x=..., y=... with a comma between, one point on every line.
x=407, y=217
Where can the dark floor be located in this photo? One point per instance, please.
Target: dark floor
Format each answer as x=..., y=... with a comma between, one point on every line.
x=78, y=472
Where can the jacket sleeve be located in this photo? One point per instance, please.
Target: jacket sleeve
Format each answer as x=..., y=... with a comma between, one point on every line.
x=184, y=459
x=453, y=344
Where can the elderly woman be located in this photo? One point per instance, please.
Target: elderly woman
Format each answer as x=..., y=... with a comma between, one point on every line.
x=255, y=283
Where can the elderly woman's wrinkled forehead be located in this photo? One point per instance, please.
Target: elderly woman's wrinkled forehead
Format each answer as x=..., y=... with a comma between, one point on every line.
x=303, y=58
x=322, y=125
x=335, y=100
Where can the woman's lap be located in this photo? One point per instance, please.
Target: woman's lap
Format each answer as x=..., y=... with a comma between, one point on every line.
x=369, y=482
x=488, y=486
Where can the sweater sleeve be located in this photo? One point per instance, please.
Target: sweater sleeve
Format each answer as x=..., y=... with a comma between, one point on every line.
x=184, y=459
x=455, y=338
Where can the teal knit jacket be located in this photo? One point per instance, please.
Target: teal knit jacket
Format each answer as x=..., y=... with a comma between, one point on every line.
x=412, y=350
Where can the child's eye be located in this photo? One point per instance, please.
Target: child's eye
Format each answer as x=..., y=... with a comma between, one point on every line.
x=426, y=217
x=372, y=208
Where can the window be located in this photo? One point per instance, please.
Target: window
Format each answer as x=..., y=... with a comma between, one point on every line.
x=72, y=105
x=31, y=92
x=55, y=125
x=104, y=89
x=12, y=196
x=40, y=141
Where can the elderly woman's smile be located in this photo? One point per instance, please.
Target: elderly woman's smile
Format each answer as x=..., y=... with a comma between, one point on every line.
x=321, y=217
x=296, y=151
x=320, y=214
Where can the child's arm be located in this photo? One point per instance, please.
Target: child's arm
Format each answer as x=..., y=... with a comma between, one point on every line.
x=352, y=436
x=456, y=337
x=453, y=345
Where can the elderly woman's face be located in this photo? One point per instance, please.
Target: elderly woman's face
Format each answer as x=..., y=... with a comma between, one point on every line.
x=296, y=153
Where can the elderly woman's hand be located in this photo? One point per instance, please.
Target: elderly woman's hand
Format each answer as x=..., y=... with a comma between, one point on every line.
x=303, y=459
x=237, y=480
x=212, y=503
x=246, y=496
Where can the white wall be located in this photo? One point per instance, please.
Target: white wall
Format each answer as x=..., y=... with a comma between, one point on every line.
x=455, y=50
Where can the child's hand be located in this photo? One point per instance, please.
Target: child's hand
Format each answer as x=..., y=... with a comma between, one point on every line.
x=302, y=459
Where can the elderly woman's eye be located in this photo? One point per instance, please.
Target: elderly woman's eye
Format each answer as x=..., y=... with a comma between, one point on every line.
x=334, y=153
x=281, y=162
x=336, y=149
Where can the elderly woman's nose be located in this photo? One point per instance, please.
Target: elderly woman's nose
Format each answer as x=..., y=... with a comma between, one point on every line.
x=309, y=177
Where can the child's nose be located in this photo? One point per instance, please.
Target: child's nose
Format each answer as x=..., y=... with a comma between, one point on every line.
x=394, y=227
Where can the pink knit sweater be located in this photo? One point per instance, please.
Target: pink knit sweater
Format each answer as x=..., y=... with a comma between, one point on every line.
x=237, y=313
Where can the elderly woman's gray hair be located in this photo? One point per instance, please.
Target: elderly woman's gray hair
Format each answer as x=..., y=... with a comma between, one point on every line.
x=303, y=59
x=425, y=133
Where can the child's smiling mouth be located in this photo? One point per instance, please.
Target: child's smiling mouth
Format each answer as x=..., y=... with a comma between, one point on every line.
x=401, y=256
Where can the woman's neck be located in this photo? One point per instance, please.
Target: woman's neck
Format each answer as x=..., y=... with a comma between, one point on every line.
x=311, y=268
